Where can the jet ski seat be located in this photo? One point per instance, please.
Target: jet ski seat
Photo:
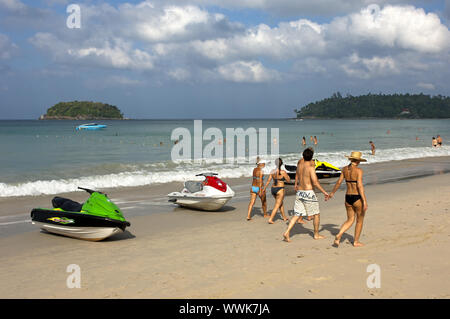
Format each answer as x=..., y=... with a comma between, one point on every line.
x=66, y=204
x=193, y=186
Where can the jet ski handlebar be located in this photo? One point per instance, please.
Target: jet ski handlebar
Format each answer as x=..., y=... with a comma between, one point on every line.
x=207, y=174
x=90, y=191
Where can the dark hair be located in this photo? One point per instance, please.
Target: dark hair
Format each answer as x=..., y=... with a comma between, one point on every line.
x=279, y=162
x=308, y=154
x=370, y=142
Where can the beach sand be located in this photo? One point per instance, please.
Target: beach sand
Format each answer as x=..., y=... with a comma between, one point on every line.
x=177, y=253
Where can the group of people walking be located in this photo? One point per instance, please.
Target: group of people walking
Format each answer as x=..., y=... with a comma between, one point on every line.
x=306, y=202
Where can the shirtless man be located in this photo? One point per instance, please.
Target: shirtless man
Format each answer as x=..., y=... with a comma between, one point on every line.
x=312, y=163
x=306, y=203
x=373, y=147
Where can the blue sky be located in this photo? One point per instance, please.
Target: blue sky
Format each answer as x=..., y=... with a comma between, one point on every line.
x=218, y=58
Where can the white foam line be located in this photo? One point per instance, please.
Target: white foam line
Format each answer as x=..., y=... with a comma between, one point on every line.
x=17, y=222
x=129, y=207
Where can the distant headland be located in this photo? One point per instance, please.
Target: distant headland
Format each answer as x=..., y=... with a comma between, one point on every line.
x=410, y=106
x=82, y=110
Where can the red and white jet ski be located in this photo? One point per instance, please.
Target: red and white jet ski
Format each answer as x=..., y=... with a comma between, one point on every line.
x=211, y=194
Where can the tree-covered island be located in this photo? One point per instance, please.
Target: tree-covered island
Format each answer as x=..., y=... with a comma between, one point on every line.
x=82, y=110
x=415, y=106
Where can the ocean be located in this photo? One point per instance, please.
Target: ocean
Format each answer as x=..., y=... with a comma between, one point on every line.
x=51, y=157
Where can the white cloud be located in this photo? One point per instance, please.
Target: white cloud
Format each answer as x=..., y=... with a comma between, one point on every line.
x=185, y=42
x=119, y=54
x=427, y=86
x=297, y=7
x=247, y=71
x=14, y=5
x=402, y=27
x=368, y=67
x=7, y=48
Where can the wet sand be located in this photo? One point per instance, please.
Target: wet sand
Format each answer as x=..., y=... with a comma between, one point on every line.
x=170, y=252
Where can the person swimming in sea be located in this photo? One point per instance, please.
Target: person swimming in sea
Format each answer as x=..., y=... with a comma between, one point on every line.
x=304, y=141
x=355, y=198
x=279, y=176
x=257, y=188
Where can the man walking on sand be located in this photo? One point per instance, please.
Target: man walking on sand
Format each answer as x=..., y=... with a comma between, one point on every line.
x=306, y=203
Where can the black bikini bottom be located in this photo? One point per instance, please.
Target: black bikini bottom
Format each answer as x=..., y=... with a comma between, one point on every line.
x=351, y=199
x=275, y=190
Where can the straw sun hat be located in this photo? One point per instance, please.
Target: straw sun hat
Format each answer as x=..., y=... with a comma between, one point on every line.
x=356, y=156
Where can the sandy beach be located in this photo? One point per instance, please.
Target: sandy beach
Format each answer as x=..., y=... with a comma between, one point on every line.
x=169, y=252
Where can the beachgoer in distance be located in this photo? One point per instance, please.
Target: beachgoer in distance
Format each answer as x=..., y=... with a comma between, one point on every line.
x=303, y=141
x=278, y=176
x=434, y=142
x=257, y=188
x=311, y=138
x=439, y=140
x=306, y=203
x=372, y=146
x=355, y=198
x=315, y=140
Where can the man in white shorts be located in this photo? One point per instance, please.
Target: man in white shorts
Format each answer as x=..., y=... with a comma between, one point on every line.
x=306, y=203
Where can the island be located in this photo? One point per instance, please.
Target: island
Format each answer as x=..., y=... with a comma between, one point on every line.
x=82, y=110
x=410, y=106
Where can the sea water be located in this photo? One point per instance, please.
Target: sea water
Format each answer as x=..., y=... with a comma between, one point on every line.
x=50, y=157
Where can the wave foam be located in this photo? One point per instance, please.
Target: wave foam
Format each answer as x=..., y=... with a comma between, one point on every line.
x=169, y=172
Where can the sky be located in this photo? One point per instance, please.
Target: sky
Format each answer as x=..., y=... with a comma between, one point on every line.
x=199, y=59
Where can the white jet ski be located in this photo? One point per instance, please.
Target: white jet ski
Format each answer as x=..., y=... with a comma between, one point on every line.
x=211, y=194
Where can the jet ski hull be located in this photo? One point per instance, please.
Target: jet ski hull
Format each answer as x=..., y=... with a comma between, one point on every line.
x=77, y=225
x=201, y=203
x=85, y=233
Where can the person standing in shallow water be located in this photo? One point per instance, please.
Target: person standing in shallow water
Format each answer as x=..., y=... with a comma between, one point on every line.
x=257, y=188
x=372, y=146
x=355, y=198
x=434, y=142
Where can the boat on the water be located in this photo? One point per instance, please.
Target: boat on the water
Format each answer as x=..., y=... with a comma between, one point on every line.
x=90, y=126
x=323, y=170
x=98, y=218
x=211, y=194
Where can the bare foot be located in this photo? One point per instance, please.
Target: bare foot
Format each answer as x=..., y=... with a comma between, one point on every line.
x=265, y=215
x=336, y=242
x=286, y=238
x=249, y=218
x=285, y=219
x=270, y=221
x=319, y=236
x=301, y=221
x=309, y=218
x=357, y=244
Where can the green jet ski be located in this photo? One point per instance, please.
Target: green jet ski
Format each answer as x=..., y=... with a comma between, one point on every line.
x=98, y=218
x=323, y=170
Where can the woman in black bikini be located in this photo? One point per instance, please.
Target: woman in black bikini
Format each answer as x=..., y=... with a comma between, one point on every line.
x=355, y=198
x=278, y=176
